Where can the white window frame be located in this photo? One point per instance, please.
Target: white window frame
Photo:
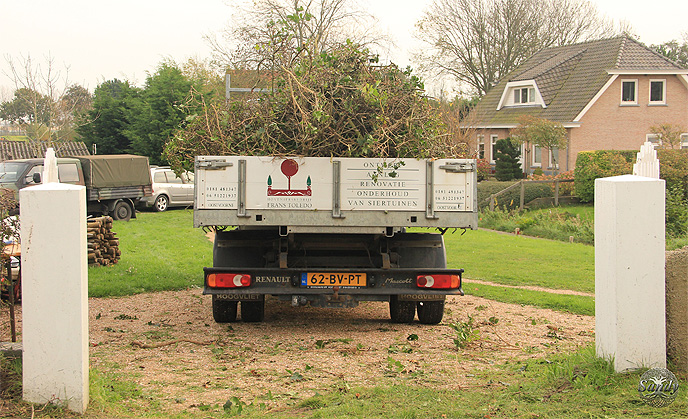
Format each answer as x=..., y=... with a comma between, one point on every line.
x=481, y=146
x=684, y=140
x=554, y=163
x=655, y=139
x=649, y=92
x=537, y=163
x=493, y=143
x=635, y=92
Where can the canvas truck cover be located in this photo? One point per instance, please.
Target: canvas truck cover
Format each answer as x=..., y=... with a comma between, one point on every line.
x=112, y=171
x=346, y=192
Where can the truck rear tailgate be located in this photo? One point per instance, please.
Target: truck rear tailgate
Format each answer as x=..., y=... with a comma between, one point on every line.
x=319, y=194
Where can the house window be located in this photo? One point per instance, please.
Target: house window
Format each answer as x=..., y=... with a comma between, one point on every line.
x=684, y=140
x=655, y=139
x=629, y=92
x=524, y=95
x=554, y=158
x=657, y=92
x=481, y=146
x=537, y=156
x=493, y=142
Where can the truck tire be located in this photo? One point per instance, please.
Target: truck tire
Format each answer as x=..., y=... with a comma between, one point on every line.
x=253, y=311
x=224, y=311
x=161, y=203
x=122, y=211
x=430, y=312
x=401, y=311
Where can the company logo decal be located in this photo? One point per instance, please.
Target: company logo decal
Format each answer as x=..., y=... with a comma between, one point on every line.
x=289, y=168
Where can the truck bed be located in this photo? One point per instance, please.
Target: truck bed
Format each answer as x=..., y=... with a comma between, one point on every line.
x=320, y=194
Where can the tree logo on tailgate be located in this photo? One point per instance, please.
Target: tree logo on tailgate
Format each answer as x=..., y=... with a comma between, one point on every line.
x=289, y=168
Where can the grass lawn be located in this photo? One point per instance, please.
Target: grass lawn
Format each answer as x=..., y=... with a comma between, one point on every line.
x=520, y=260
x=160, y=251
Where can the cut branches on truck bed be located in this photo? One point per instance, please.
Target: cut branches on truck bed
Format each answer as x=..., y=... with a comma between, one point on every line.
x=341, y=103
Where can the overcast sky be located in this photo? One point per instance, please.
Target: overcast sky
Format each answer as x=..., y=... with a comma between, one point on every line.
x=102, y=40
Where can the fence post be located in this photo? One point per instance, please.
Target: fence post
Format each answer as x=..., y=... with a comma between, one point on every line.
x=492, y=202
x=523, y=194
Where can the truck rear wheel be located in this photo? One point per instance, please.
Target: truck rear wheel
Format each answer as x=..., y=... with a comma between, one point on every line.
x=401, y=311
x=122, y=211
x=430, y=312
x=253, y=311
x=224, y=311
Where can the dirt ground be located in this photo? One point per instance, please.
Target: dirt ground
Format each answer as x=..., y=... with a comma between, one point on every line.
x=168, y=344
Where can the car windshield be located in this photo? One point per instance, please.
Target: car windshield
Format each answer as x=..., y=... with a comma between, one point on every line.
x=10, y=172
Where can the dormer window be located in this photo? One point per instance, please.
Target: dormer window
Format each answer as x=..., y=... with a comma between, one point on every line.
x=524, y=95
x=521, y=93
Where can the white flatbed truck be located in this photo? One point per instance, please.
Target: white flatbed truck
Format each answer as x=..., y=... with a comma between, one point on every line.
x=331, y=232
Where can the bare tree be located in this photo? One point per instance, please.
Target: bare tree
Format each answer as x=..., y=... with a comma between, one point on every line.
x=268, y=33
x=47, y=100
x=668, y=134
x=479, y=41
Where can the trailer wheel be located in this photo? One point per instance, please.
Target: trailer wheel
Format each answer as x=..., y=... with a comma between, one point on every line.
x=401, y=311
x=430, y=312
x=224, y=311
x=122, y=211
x=253, y=311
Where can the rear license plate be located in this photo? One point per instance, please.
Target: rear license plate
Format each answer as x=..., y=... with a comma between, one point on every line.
x=330, y=279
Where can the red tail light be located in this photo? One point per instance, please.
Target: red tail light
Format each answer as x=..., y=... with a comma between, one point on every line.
x=438, y=281
x=229, y=280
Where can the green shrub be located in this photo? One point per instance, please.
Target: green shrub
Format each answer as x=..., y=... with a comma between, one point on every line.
x=483, y=168
x=591, y=165
x=512, y=198
x=507, y=165
x=676, y=212
x=673, y=168
x=555, y=223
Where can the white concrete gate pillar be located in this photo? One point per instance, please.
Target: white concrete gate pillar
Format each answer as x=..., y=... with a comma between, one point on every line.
x=629, y=271
x=55, y=295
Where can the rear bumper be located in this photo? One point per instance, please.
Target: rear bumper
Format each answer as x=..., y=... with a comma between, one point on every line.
x=381, y=283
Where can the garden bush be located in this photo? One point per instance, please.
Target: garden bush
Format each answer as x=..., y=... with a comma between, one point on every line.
x=673, y=168
x=507, y=165
x=676, y=212
x=591, y=165
x=556, y=224
x=483, y=169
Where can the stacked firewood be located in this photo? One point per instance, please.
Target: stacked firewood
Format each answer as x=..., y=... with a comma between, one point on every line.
x=103, y=245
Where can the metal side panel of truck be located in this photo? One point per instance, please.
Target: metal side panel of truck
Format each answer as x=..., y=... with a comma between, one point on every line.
x=331, y=232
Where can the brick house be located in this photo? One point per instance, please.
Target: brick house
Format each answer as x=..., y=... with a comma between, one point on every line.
x=606, y=93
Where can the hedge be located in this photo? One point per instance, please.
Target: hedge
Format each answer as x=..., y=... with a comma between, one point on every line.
x=591, y=165
x=673, y=168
